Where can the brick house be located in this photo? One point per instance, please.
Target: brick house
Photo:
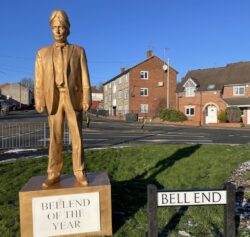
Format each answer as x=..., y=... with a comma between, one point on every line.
x=141, y=89
x=203, y=94
x=97, y=98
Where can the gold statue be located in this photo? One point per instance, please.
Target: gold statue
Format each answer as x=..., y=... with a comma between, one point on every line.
x=62, y=86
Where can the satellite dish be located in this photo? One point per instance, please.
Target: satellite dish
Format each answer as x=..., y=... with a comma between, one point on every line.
x=165, y=67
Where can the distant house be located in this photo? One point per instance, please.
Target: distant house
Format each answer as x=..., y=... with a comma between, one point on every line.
x=97, y=98
x=141, y=89
x=203, y=94
x=17, y=92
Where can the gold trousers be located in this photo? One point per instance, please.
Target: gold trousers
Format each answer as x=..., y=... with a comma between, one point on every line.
x=56, y=125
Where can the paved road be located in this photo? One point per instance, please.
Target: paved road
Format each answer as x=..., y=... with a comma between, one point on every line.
x=103, y=134
x=107, y=133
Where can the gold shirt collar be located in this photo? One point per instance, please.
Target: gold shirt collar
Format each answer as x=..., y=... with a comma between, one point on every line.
x=60, y=45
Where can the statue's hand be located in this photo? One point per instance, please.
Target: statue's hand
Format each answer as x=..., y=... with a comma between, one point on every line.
x=40, y=109
x=85, y=106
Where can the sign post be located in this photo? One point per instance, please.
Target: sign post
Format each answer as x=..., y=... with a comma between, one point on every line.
x=163, y=198
x=229, y=211
x=152, y=210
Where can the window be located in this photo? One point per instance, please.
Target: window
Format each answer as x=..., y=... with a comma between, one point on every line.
x=120, y=94
x=190, y=87
x=126, y=78
x=126, y=94
x=144, y=108
x=190, y=110
x=144, y=92
x=239, y=90
x=190, y=91
x=160, y=83
x=144, y=75
x=114, y=88
x=109, y=85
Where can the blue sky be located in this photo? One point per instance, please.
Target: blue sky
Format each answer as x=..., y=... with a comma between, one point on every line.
x=117, y=33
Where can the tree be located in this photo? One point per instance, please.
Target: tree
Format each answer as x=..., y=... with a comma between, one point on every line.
x=233, y=114
x=160, y=105
x=28, y=82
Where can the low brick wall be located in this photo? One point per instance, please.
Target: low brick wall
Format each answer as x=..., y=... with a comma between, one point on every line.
x=229, y=125
x=185, y=123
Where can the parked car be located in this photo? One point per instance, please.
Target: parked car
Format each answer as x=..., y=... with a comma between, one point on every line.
x=13, y=105
x=4, y=108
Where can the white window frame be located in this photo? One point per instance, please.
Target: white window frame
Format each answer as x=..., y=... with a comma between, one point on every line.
x=189, y=109
x=144, y=75
x=114, y=88
x=144, y=108
x=236, y=90
x=190, y=91
x=144, y=91
x=126, y=94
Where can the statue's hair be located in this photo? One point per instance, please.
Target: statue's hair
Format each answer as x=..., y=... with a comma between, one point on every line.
x=62, y=16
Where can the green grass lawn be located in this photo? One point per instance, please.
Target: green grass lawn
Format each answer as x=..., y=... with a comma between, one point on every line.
x=130, y=170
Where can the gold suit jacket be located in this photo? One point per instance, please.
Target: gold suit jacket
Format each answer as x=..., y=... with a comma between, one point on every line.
x=76, y=78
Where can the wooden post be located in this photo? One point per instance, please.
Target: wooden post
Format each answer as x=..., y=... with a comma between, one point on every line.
x=152, y=211
x=229, y=211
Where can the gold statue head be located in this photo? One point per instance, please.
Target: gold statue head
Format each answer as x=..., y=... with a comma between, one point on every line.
x=60, y=26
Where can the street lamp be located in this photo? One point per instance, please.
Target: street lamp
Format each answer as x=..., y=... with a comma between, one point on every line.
x=20, y=89
x=166, y=67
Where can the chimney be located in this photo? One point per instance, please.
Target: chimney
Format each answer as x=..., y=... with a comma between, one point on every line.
x=149, y=53
x=123, y=69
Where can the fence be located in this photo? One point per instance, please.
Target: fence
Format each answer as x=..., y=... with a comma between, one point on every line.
x=25, y=135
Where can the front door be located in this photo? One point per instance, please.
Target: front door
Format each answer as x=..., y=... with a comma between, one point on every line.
x=114, y=110
x=211, y=116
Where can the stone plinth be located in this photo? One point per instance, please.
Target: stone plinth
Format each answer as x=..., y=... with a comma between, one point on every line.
x=66, y=208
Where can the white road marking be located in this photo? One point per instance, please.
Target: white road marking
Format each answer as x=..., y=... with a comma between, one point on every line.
x=186, y=133
x=178, y=135
x=94, y=133
x=94, y=139
x=19, y=150
x=168, y=140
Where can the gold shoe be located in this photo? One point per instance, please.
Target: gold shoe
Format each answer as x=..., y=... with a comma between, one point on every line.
x=50, y=181
x=82, y=179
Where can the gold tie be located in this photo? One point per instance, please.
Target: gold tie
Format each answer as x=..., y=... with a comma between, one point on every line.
x=59, y=66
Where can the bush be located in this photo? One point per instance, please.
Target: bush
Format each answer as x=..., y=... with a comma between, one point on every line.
x=233, y=114
x=222, y=117
x=172, y=115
